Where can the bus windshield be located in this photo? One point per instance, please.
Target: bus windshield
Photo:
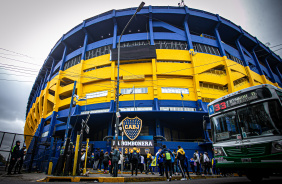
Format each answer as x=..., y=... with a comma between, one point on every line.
x=262, y=119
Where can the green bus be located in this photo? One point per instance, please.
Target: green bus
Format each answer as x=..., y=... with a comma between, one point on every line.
x=246, y=131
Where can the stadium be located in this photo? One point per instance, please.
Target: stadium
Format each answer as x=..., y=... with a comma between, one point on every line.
x=173, y=62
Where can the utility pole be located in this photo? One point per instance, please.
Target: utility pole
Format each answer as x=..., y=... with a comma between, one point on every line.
x=117, y=90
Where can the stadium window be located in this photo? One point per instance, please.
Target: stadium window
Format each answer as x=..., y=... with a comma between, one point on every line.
x=175, y=90
x=72, y=62
x=206, y=49
x=168, y=44
x=127, y=91
x=134, y=43
x=98, y=52
x=233, y=58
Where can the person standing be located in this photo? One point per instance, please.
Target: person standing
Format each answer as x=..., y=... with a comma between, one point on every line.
x=160, y=162
x=202, y=163
x=92, y=160
x=176, y=168
x=120, y=161
x=214, y=169
x=180, y=158
x=172, y=163
x=167, y=154
x=149, y=162
x=106, y=162
x=110, y=164
x=197, y=161
x=126, y=163
x=134, y=160
x=186, y=166
x=15, y=156
x=115, y=158
x=96, y=158
x=207, y=163
x=101, y=158
x=192, y=164
x=141, y=164
x=19, y=164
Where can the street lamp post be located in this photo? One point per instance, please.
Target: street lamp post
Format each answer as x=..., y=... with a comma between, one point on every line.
x=117, y=91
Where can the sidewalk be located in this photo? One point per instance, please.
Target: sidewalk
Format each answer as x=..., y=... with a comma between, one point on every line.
x=94, y=177
x=125, y=177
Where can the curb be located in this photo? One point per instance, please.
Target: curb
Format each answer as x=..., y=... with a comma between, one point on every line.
x=115, y=179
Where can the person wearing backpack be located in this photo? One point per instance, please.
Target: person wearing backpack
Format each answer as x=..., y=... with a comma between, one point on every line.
x=115, y=158
x=166, y=154
x=96, y=158
x=106, y=162
x=134, y=160
x=197, y=161
x=181, y=157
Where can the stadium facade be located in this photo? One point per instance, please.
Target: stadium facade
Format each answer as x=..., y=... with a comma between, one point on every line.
x=174, y=61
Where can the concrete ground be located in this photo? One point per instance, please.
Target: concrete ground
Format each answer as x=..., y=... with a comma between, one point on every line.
x=96, y=177
x=30, y=178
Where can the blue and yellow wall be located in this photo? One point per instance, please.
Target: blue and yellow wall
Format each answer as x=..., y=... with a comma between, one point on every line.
x=203, y=52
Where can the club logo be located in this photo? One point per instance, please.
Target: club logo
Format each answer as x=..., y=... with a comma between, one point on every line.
x=132, y=127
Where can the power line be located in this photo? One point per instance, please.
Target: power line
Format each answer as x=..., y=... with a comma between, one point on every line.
x=15, y=80
x=15, y=52
x=20, y=61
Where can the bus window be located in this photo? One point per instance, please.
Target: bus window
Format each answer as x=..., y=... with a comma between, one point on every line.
x=255, y=120
x=225, y=126
x=279, y=95
x=275, y=111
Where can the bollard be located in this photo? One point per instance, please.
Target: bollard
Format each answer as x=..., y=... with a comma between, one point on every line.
x=75, y=155
x=84, y=169
x=50, y=167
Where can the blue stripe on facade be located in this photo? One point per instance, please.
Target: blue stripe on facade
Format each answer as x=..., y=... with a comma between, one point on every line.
x=156, y=36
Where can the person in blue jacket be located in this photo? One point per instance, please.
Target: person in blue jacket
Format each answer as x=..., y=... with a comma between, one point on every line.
x=186, y=166
x=167, y=155
x=160, y=162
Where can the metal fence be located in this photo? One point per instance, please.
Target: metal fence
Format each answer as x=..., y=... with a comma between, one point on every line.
x=37, y=156
x=7, y=141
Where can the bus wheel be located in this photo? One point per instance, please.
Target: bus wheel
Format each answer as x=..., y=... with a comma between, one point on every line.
x=254, y=177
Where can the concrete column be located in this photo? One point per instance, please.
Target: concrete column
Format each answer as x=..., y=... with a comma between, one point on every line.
x=151, y=26
x=187, y=31
x=64, y=57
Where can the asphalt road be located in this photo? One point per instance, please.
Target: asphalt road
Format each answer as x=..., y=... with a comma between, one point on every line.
x=226, y=180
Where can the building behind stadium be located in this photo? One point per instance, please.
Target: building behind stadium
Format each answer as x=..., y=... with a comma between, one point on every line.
x=174, y=61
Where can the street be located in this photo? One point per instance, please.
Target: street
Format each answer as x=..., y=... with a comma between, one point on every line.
x=226, y=180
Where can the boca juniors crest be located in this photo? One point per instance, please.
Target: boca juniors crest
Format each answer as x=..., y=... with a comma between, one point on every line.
x=132, y=127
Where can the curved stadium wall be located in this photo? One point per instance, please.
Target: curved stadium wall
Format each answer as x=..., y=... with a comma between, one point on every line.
x=199, y=55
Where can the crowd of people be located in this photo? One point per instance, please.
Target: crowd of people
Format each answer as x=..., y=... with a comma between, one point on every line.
x=165, y=162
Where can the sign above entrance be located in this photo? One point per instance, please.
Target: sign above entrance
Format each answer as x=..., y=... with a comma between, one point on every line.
x=132, y=127
x=144, y=146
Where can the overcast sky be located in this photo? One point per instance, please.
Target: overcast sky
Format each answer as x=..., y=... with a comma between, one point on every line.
x=32, y=27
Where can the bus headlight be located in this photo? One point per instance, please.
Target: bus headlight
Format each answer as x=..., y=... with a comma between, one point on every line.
x=276, y=146
x=218, y=151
